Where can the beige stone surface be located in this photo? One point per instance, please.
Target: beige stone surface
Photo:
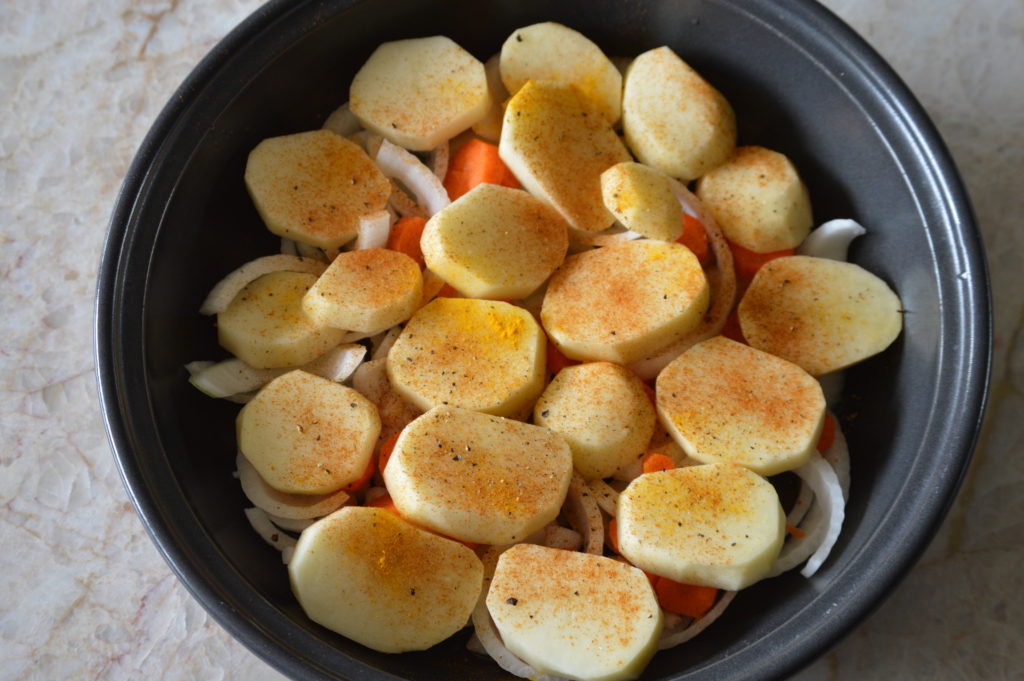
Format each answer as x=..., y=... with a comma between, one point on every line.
x=84, y=593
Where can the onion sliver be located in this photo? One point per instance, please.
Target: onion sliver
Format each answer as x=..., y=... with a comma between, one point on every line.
x=580, y=240
x=829, y=496
x=230, y=377
x=226, y=289
x=403, y=205
x=558, y=537
x=399, y=164
x=838, y=456
x=584, y=515
x=338, y=363
x=282, y=504
x=831, y=240
x=343, y=121
x=488, y=637
x=373, y=231
x=606, y=497
x=274, y=536
x=675, y=638
x=439, y=161
x=291, y=524
x=382, y=343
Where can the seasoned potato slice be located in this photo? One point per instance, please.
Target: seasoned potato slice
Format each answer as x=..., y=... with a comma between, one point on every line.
x=715, y=525
x=420, y=92
x=266, y=327
x=495, y=242
x=602, y=411
x=575, y=615
x=673, y=119
x=758, y=200
x=477, y=477
x=367, y=290
x=557, y=145
x=478, y=354
x=376, y=579
x=823, y=315
x=314, y=187
x=624, y=302
x=641, y=198
x=489, y=127
x=308, y=435
x=553, y=52
x=725, y=401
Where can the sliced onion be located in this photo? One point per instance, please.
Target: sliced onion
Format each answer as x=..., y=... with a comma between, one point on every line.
x=403, y=205
x=584, y=515
x=288, y=247
x=373, y=231
x=282, y=504
x=488, y=637
x=382, y=343
x=439, y=161
x=338, y=363
x=230, y=377
x=274, y=536
x=225, y=290
x=675, y=638
x=369, y=141
x=822, y=524
x=399, y=164
x=606, y=497
x=343, y=121
x=580, y=240
x=801, y=505
x=838, y=456
x=311, y=252
x=831, y=240
x=558, y=537
x=291, y=524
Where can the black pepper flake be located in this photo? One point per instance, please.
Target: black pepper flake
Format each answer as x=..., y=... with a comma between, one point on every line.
x=519, y=38
x=412, y=592
x=352, y=404
x=511, y=601
x=456, y=458
x=575, y=593
x=545, y=413
x=394, y=125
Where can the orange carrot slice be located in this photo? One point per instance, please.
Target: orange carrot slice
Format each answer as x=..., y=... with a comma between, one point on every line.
x=748, y=262
x=476, y=162
x=695, y=237
x=405, y=238
x=690, y=600
x=655, y=463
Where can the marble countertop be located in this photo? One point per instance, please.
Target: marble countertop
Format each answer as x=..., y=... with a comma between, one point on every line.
x=84, y=593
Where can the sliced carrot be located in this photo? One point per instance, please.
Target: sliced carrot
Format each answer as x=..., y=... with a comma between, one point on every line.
x=476, y=162
x=651, y=577
x=732, y=328
x=748, y=262
x=448, y=291
x=384, y=501
x=695, y=237
x=405, y=237
x=828, y=433
x=795, y=531
x=690, y=600
x=556, y=360
x=655, y=463
x=364, y=479
x=613, y=535
x=386, y=448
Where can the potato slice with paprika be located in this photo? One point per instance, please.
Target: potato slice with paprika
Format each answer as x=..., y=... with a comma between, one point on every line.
x=641, y=198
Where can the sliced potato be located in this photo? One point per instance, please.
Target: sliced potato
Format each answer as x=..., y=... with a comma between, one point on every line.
x=553, y=52
x=478, y=354
x=266, y=327
x=314, y=187
x=489, y=127
x=371, y=379
x=624, y=302
x=495, y=242
x=758, y=200
x=574, y=615
x=673, y=119
x=602, y=411
x=823, y=315
x=726, y=401
x=641, y=198
x=557, y=144
x=420, y=92
x=717, y=525
x=374, y=578
x=367, y=290
x=477, y=477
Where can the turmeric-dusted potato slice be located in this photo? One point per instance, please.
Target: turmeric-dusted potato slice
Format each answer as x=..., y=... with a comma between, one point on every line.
x=823, y=315
x=602, y=411
x=478, y=354
x=489, y=127
x=372, y=577
x=266, y=327
x=477, y=477
x=420, y=92
x=314, y=187
x=717, y=525
x=553, y=52
x=557, y=144
x=758, y=200
x=673, y=119
x=641, y=198
x=367, y=290
x=495, y=242
x=725, y=401
x=574, y=615
x=308, y=435
x=624, y=302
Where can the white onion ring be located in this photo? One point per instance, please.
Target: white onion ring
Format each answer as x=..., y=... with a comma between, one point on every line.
x=831, y=240
x=606, y=497
x=282, y=504
x=675, y=638
x=288, y=247
x=225, y=290
x=403, y=205
x=439, y=161
x=583, y=514
x=823, y=521
x=558, y=537
x=373, y=231
x=382, y=344
x=402, y=165
x=580, y=240
x=309, y=251
x=343, y=121
x=838, y=456
x=274, y=536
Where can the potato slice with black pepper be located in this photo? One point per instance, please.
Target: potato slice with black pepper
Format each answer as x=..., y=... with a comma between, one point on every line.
x=420, y=92
x=374, y=578
x=266, y=327
x=602, y=411
x=823, y=315
x=308, y=435
x=477, y=477
x=725, y=401
x=314, y=187
x=495, y=242
x=673, y=119
x=574, y=615
x=557, y=144
x=641, y=198
x=478, y=354
x=624, y=302
x=717, y=525
x=758, y=200
x=367, y=290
